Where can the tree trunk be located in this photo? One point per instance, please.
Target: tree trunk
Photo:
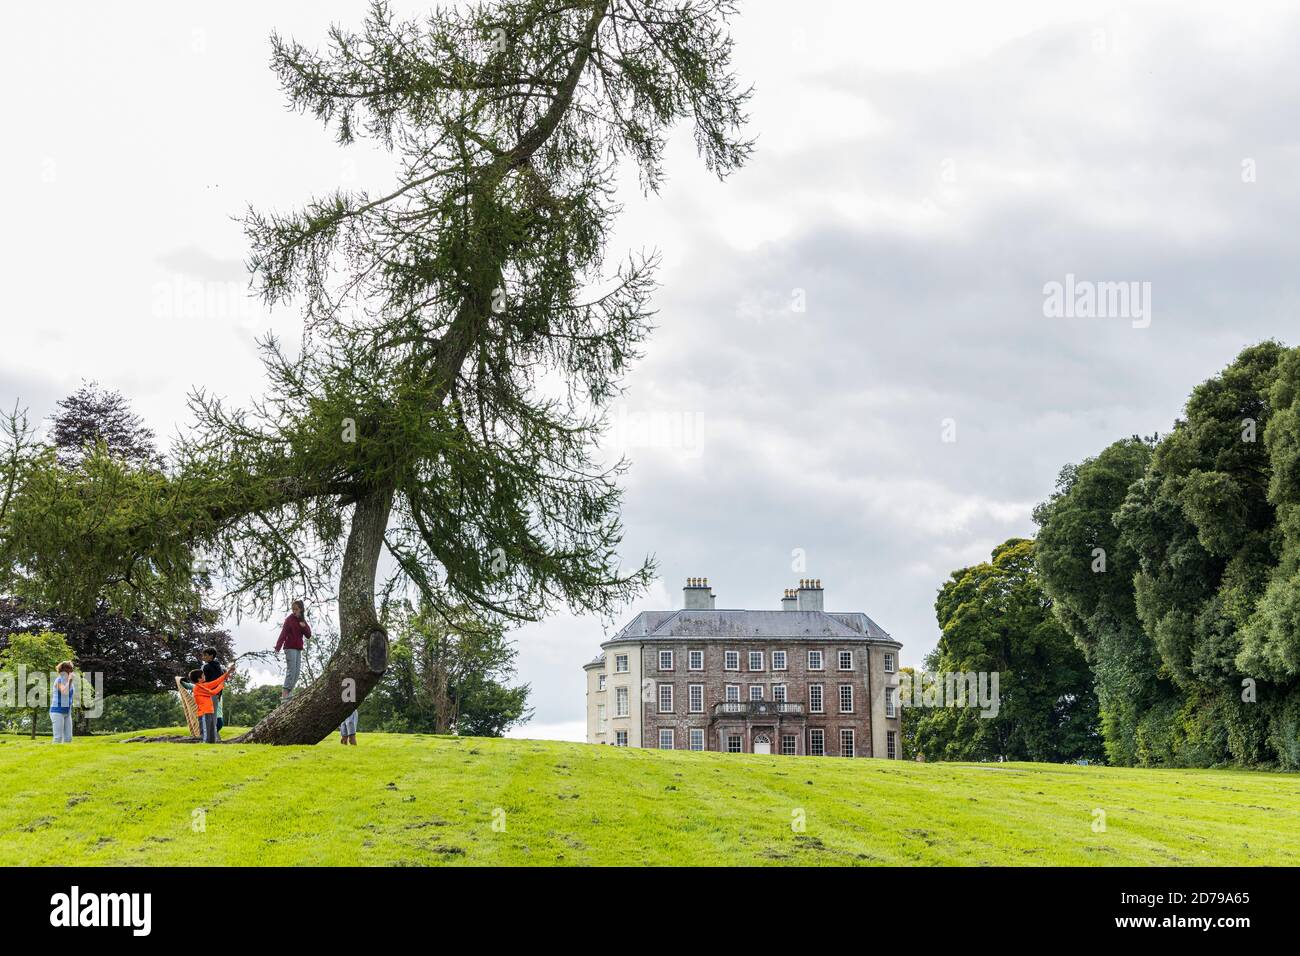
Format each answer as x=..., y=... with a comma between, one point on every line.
x=441, y=696
x=362, y=655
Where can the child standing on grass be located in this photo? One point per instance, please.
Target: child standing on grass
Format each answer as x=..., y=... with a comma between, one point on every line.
x=204, y=691
x=63, y=695
x=211, y=671
x=348, y=729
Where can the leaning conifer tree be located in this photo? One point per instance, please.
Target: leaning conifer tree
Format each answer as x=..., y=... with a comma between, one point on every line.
x=462, y=330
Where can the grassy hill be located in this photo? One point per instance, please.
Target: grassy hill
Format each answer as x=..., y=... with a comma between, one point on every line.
x=420, y=801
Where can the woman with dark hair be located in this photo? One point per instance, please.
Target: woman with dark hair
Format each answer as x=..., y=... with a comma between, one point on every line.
x=293, y=632
x=63, y=695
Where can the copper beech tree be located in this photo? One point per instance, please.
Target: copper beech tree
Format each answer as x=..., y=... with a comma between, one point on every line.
x=462, y=337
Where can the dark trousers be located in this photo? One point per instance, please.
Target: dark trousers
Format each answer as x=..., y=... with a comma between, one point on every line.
x=208, y=728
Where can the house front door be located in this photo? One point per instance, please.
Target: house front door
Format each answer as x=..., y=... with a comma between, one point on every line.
x=762, y=744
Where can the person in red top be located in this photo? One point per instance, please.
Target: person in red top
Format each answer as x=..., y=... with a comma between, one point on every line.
x=291, y=637
x=204, y=691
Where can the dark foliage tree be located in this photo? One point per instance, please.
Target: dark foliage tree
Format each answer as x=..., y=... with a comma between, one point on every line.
x=462, y=337
x=92, y=415
x=995, y=617
x=134, y=656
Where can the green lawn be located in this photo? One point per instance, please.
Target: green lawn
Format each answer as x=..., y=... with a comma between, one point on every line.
x=420, y=801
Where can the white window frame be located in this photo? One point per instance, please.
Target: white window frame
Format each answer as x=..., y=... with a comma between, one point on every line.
x=755, y=687
x=695, y=692
x=727, y=657
x=620, y=738
x=782, y=658
x=660, y=695
x=839, y=657
x=696, y=734
x=891, y=708
x=853, y=743
x=843, y=688
x=819, y=735
x=670, y=738
x=751, y=656
x=602, y=717
x=889, y=662
x=732, y=694
x=820, y=657
x=692, y=657
x=600, y=682
x=780, y=693
x=818, y=706
x=622, y=701
x=665, y=655
x=620, y=664
x=794, y=745
x=740, y=743
x=891, y=744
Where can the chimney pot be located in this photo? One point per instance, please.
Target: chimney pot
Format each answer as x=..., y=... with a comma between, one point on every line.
x=809, y=595
x=697, y=596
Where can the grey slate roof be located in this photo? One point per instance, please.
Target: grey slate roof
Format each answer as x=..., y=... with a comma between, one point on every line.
x=751, y=625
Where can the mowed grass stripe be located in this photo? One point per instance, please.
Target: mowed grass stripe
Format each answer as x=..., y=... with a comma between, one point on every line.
x=425, y=801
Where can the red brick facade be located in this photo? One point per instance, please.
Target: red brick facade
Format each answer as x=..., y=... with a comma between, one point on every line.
x=843, y=720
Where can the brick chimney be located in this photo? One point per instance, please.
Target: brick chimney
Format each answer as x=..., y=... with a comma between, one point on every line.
x=697, y=595
x=809, y=595
x=789, y=602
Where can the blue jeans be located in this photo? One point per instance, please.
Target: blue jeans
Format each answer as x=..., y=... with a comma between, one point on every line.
x=62, y=727
x=208, y=728
x=292, y=664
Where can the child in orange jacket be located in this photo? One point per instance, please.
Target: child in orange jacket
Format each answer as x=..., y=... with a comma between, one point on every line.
x=204, y=691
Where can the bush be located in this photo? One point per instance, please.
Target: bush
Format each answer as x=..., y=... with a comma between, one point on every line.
x=128, y=712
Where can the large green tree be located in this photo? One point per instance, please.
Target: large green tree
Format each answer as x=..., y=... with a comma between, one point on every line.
x=996, y=618
x=1270, y=641
x=1087, y=571
x=448, y=676
x=462, y=336
x=135, y=654
x=1190, y=628
x=1203, y=529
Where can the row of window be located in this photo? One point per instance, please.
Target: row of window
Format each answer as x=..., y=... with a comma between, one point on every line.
x=789, y=742
x=731, y=661
x=695, y=699
x=816, y=697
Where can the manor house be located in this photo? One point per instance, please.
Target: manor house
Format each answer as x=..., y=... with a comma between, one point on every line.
x=795, y=681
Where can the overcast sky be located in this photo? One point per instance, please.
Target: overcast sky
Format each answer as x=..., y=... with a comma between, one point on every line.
x=870, y=287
